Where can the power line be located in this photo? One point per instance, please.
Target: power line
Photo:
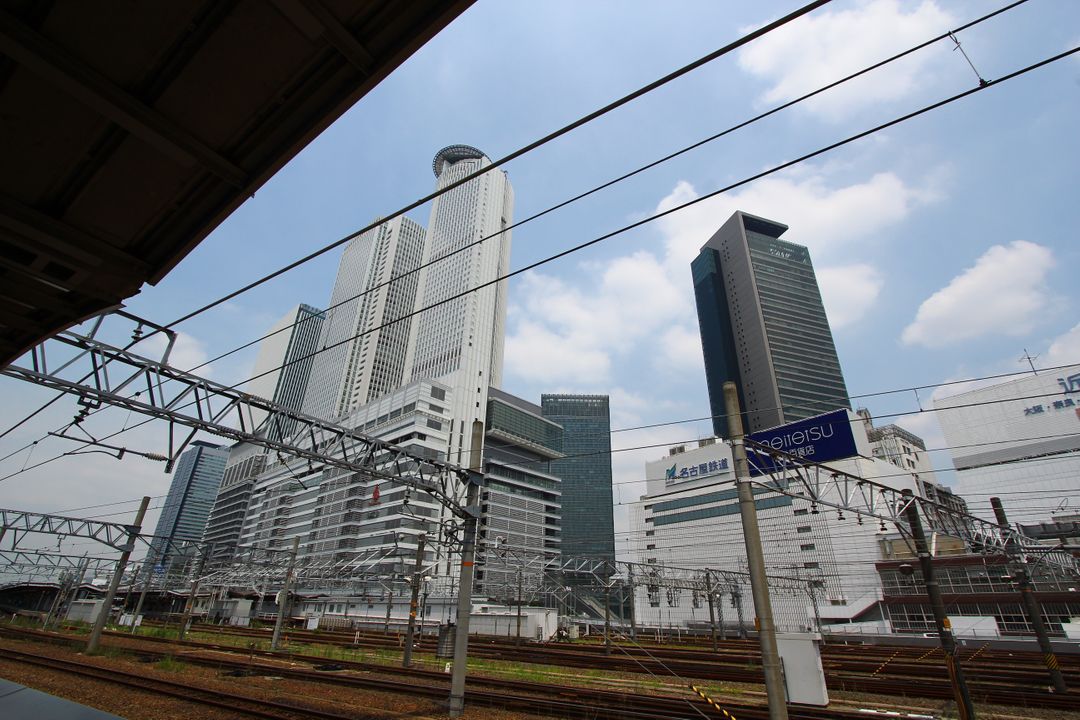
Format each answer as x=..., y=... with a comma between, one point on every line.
x=715, y=193
x=656, y=84
x=606, y=184
x=536, y=215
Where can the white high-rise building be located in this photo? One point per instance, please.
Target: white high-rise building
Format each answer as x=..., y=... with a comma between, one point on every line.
x=361, y=356
x=419, y=383
x=459, y=341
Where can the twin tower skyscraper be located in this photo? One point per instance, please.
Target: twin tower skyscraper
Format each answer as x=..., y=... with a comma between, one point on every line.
x=411, y=303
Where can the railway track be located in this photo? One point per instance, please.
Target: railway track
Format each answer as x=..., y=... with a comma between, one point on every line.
x=1012, y=679
x=536, y=698
x=232, y=702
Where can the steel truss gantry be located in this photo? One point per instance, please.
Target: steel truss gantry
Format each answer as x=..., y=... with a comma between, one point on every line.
x=101, y=374
x=820, y=484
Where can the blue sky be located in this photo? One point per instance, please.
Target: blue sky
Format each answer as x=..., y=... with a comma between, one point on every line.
x=944, y=246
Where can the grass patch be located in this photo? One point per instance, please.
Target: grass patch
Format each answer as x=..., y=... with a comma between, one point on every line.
x=169, y=664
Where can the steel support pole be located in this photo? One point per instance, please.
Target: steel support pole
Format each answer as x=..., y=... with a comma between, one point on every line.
x=607, y=617
x=149, y=564
x=712, y=609
x=61, y=590
x=755, y=558
x=937, y=606
x=1032, y=607
x=189, y=606
x=633, y=602
x=106, y=608
x=520, y=580
x=73, y=593
x=389, y=609
x=414, y=600
x=468, y=557
x=720, y=614
x=279, y=622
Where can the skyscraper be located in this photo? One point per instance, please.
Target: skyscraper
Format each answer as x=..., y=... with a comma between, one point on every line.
x=191, y=495
x=283, y=366
x=419, y=383
x=459, y=341
x=282, y=371
x=359, y=359
x=763, y=326
x=521, y=496
x=588, y=527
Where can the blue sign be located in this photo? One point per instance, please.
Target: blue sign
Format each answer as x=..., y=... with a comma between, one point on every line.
x=820, y=439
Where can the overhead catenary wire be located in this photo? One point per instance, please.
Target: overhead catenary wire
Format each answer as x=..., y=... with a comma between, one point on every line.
x=667, y=443
x=656, y=216
x=580, y=122
x=607, y=184
x=543, y=212
x=656, y=84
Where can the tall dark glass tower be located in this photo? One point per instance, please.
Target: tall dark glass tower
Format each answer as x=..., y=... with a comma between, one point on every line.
x=763, y=326
x=588, y=522
x=191, y=496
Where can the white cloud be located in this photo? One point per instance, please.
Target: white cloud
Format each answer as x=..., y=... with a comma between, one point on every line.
x=849, y=291
x=825, y=218
x=999, y=295
x=680, y=350
x=825, y=46
x=1064, y=350
x=542, y=355
x=188, y=352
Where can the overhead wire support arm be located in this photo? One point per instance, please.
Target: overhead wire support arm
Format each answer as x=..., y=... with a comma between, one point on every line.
x=197, y=404
x=820, y=484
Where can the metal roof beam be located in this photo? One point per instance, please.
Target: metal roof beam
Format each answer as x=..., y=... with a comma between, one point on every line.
x=309, y=15
x=40, y=56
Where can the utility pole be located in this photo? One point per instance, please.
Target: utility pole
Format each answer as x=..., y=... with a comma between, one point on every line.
x=1031, y=604
x=468, y=557
x=62, y=589
x=633, y=602
x=520, y=579
x=736, y=602
x=149, y=565
x=937, y=606
x=712, y=608
x=812, y=587
x=283, y=604
x=755, y=557
x=389, y=608
x=189, y=606
x=406, y=658
x=720, y=614
x=106, y=608
x=607, y=617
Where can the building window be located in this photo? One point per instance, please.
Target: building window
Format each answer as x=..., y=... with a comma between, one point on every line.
x=801, y=511
x=810, y=565
x=807, y=546
x=803, y=529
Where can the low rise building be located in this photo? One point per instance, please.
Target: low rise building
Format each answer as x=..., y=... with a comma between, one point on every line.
x=1019, y=440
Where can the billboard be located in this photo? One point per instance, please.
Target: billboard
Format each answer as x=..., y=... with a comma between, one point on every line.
x=819, y=439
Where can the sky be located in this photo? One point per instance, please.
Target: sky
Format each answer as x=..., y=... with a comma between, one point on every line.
x=946, y=246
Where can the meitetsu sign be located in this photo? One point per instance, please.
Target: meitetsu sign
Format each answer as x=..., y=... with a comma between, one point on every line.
x=820, y=439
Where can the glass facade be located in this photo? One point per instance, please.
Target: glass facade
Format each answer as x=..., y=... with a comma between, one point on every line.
x=804, y=359
x=588, y=526
x=521, y=501
x=763, y=327
x=191, y=497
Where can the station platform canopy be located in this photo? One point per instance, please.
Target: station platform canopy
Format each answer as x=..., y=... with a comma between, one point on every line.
x=130, y=130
